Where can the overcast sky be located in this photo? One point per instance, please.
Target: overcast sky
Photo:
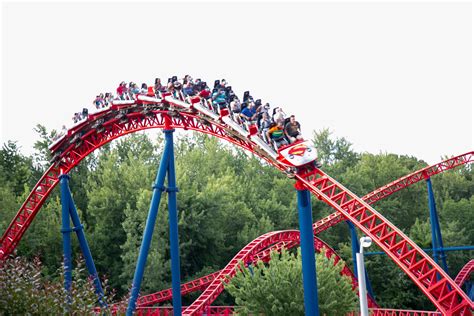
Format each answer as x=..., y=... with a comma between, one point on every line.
x=389, y=77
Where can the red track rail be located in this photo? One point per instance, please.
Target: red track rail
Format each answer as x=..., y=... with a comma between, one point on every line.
x=429, y=277
x=331, y=220
x=202, y=283
x=72, y=156
x=168, y=311
x=395, y=186
x=229, y=310
x=398, y=185
x=444, y=293
x=464, y=274
x=400, y=312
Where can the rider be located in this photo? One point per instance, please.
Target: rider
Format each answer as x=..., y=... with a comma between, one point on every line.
x=277, y=135
x=292, y=130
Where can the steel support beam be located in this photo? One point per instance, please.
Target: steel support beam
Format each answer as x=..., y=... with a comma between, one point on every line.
x=437, y=241
x=66, y=231
x=68, y=203
x=166, y=168
x=173, y=222
x=158, y=188
x=307, y=253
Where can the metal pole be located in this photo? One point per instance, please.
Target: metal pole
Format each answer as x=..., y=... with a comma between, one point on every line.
x=307, y=253
x=79, y=229
x=66, y=231
x=437, y=240
x=173, y=221
x=149, y=227
x=364, y=310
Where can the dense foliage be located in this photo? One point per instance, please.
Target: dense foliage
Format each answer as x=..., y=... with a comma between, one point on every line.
x=226, y=199
x=277, y=288
x=24, y=291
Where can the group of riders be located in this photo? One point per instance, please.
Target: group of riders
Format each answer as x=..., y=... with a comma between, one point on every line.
x=274, y=126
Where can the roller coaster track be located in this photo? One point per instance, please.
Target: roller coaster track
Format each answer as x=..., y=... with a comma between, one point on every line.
x=201, y=283
x=431, y=279
x=229, y=310
x=324, y=223
x=464, y=274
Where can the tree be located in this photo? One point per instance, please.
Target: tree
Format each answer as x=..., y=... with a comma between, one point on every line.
x=15, y=168
x=334, y=153
x=277, y=288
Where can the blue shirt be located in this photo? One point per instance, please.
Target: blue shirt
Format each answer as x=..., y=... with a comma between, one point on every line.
x=249, y=112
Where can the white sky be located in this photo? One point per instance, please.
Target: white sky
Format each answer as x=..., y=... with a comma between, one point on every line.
x=390, y=77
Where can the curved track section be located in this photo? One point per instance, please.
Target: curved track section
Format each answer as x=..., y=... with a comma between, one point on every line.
x=93, y=139
x=202, y=283
x=247, y=254
x=329, y=221
x=444, y=293
x=465, y=273
x=431, y=279
x=395, y=186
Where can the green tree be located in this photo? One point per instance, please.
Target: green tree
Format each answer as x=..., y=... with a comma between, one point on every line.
x=15, y=168
x=277, y=288
x=334, y=153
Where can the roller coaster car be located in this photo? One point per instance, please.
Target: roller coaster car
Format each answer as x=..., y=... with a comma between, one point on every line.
x=298, y=154
x=122, y=104
x=146, y=99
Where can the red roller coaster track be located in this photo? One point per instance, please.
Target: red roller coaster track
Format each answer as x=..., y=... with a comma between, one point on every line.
x=325, y=223
x=203, y=282
x=465, y=272
x=229, y=310
x=443, y=292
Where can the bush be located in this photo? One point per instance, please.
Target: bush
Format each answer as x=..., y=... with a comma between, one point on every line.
x=23, y=290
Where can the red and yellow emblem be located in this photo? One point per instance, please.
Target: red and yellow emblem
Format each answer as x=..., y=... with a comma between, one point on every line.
x=298, y=150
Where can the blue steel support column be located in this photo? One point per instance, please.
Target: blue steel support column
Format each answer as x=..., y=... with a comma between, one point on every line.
x=355, y=250
x=173, y=221
x=307, y=253
x=354, y=244
x=79, y=229
x=470, y=290
x=437, y=241
x=149, y=227
x=66, y=231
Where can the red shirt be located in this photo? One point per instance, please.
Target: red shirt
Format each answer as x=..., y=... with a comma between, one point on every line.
x=120, y=90
x=205, y=94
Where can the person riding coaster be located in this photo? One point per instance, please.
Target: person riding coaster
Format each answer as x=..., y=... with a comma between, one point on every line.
x=276, y=135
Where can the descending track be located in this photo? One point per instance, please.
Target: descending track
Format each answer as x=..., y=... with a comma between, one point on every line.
x=201, y=283
x=172, y=113
x=429, y=277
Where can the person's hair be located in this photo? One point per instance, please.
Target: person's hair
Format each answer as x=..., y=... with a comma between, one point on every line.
x=292, y=116
x=157, y=79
